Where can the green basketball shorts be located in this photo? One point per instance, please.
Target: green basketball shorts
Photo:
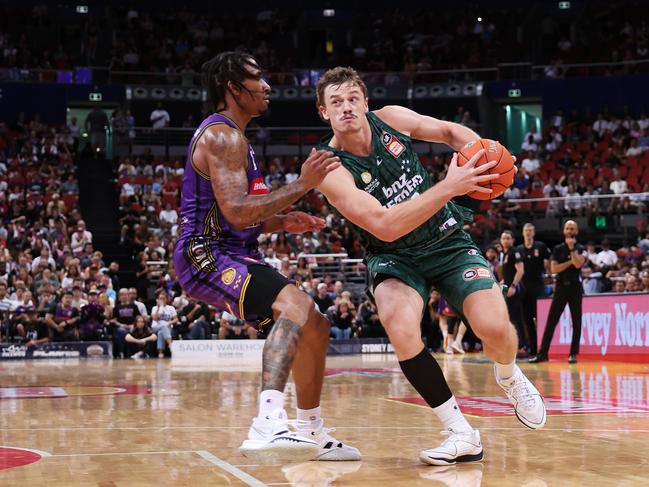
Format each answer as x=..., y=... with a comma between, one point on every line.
x=454, y=266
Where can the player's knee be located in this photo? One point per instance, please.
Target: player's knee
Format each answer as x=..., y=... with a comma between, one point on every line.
x=494, y=329
x=293, y=305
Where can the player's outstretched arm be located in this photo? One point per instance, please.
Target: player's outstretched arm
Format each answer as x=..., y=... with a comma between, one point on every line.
x=225, y=152
x=422, y=127
x=389, y=224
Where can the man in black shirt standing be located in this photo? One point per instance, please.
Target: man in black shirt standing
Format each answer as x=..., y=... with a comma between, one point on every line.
x=536, y=257
x=96, y=123
x=567, y=260
x=511, y=271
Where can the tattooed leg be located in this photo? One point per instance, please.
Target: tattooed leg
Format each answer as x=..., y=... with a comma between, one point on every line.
x=309, y=364
x=279, y=352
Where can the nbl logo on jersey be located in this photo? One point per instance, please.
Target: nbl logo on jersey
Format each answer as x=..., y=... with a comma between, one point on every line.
x=258, y=186
x=392, y=144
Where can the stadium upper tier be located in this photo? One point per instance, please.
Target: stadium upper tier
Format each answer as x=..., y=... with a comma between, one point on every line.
x=153, y=44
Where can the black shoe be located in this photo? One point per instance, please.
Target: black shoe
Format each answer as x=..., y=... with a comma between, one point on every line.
x=538, y=359
x=572, y=359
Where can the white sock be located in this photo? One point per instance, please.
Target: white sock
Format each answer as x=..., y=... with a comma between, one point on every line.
x=311, y=417
x=309, y=414
x=451, y=417
x=270, y=400
x=505, y=371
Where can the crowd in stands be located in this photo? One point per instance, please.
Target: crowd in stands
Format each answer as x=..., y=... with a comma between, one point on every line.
x=175, y=41
x=54, y=285
x=575, y=156
x=579, y=160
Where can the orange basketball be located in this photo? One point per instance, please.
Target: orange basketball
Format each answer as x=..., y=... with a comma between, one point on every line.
x=494, y=151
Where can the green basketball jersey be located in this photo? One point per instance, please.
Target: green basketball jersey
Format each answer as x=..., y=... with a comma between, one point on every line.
x=393, y=174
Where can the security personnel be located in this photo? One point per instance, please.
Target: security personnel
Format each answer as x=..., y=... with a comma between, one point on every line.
x=567, y=260
x=536, y=256
x=511, y=271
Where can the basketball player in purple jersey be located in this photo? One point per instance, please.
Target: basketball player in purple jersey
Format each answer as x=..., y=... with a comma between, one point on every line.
x=225, y=206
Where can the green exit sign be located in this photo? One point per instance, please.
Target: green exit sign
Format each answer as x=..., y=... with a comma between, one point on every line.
x=94, y=97
x=514, y=93
x=564, y=5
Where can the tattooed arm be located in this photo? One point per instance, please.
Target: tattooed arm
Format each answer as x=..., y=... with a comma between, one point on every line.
x=279, y=352
x=222, y=152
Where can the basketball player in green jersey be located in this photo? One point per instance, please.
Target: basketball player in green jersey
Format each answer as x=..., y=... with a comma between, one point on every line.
x=414, y=240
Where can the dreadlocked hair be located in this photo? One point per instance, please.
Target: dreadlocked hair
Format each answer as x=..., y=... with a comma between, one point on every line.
x=230, y=66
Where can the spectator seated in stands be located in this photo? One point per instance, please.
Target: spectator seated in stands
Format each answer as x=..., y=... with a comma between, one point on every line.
x=194, y=321
x=644, y=282
x=140, y=341
x=92, y=319
x=323, y=299
x=63, y=320
x=31, y=327
x=122, y=321
x=230, y=327
x=343, y=320
x=163, y=318
x=368, y=324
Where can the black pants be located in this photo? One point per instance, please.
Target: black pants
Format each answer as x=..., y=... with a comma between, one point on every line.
x=529, y=295
x=564, y=293
x=515, y=316
x=148, y=348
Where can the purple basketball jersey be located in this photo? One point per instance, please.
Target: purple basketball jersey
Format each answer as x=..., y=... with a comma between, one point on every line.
x=199, y=212
x=210, y=256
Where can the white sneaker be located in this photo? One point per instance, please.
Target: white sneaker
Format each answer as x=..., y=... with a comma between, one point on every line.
x=329, y=447
x=137, y=356
x=459, y=447
x=527, y=401
x=457, y=346
x=270, y=439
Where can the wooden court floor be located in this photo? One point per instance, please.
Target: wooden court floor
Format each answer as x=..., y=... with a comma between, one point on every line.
x=160, y=423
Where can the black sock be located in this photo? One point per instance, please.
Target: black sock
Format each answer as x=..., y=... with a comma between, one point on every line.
x=425, y=375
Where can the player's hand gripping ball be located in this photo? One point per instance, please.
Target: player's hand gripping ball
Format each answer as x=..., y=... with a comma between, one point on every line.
x=494, y=151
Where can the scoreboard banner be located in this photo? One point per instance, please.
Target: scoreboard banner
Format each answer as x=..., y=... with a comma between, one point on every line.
x=613, y=327
x=56, y=350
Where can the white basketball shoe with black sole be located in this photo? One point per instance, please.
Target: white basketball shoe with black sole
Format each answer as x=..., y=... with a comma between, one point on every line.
x=270, y=439
x=528, y=403
x=330, y=448
x=459, y=447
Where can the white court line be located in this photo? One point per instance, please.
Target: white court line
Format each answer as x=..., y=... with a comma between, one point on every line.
x=433, y=428
x=231, y=469
x=169, y=452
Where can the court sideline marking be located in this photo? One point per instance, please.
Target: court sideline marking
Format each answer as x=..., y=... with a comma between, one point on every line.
x=214, y=460
x=231, y=469
x=423, y=427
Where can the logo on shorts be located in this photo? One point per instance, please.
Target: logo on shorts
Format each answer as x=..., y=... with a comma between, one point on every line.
x=447, y=224
x=228, y=275
x=472, y=252
x=366, y=177
x=476, y=273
